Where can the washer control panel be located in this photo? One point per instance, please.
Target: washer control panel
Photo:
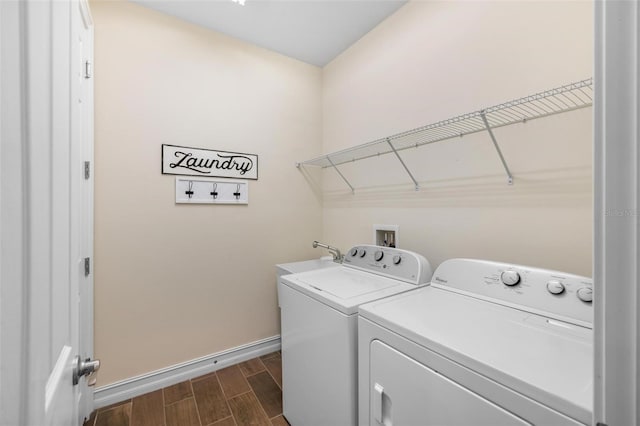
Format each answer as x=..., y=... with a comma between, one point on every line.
x=394, y=263
x=558, y=294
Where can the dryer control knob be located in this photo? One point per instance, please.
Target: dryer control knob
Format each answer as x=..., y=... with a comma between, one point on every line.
x=363, y=253
x=555, y=287
x=353, y=251
x=585, y=294
x=397, y=259
x=378, y=255
x=510, y=278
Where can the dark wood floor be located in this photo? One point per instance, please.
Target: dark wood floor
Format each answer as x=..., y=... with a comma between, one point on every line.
x=249, y=393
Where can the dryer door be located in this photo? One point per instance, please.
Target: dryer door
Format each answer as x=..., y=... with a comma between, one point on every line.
x=405, y=392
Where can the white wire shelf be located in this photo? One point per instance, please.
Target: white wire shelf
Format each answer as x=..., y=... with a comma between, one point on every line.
x=566, y=98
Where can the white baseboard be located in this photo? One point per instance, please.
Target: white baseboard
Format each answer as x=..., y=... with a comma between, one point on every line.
x=139, y=385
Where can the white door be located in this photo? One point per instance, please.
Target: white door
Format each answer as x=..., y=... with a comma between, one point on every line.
x=45, y=211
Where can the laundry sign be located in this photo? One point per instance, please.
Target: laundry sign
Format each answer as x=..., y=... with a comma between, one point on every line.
x=180, y=160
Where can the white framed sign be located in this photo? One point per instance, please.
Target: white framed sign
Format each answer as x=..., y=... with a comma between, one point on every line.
x=180, y=160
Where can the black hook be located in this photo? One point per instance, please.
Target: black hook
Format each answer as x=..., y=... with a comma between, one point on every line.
x=190, y=191
x=237, y=193
x=214, y=192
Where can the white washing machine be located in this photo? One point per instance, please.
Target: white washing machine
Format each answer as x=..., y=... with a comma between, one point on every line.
x=486, y=344
x=319, y=329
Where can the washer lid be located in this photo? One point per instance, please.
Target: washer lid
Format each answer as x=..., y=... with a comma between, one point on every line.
x=345, y=288
x=548, y=360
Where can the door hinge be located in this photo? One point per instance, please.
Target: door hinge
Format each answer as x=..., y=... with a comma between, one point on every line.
x=87, y=69
x=87, y=266
x=87, y=169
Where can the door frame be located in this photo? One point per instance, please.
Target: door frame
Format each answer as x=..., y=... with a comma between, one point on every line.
x=23, y=257
x=15, y=285
x=616, y=195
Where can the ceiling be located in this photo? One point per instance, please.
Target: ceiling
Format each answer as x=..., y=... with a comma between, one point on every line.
x=313, y=31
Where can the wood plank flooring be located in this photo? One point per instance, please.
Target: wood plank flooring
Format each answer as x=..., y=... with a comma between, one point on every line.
x=249, y=393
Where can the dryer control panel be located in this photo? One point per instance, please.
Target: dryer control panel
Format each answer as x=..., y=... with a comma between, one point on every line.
x=394, y=263
x=557, y=294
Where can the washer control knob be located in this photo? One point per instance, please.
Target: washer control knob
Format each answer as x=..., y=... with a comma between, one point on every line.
x=353, y=251
x=510, y=278
x=397, y=259
x=363, y=253
x=555, y=287
x=378, y=255
x=585, y=294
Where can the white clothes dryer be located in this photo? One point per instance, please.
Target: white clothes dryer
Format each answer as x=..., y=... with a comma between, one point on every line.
x=486, y=344
x=319, y=329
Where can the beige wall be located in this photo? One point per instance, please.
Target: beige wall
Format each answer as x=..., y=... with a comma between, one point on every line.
x=172, y=281
x=434, y=60
x=176, y=282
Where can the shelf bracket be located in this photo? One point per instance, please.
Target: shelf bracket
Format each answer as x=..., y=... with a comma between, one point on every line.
x=495, y=144
x=415, y=182
x=341, y=175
